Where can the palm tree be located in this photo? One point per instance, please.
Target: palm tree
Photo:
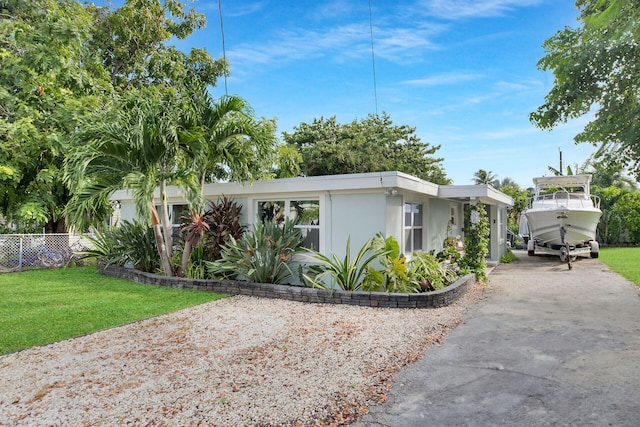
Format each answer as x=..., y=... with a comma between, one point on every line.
x=232, y=145
x=139, y=148
x=485, y=177
x=154, y=138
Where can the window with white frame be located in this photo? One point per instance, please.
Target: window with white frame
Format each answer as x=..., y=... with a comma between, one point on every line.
x=453, y=215
x=176, y=212
x=412, y=227
x=306, y=213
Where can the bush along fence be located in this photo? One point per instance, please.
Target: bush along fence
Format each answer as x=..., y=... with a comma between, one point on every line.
x=439, y=298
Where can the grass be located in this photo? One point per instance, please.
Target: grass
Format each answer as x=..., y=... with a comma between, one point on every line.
x=45, y=306
x=623, y=261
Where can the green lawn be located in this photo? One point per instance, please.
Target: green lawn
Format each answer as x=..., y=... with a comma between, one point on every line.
x=625, y=261
x=40, y=307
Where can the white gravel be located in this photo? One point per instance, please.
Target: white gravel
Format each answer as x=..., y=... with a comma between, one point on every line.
x=238, y=361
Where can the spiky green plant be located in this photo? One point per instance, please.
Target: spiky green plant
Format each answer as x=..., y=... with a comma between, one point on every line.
x=347, y=273
x=133, y=242
x=261, y=255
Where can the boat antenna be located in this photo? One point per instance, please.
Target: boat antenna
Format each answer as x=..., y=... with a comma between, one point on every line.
x=224, y=53
x=561, y=172
x=373, y=60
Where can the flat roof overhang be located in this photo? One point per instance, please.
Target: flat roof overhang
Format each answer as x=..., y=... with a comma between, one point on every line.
x=484, y=193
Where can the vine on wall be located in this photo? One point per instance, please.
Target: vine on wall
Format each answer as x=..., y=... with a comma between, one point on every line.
x=476, y=239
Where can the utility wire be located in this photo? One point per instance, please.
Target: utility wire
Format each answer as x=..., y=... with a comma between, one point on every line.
x=373, y=59
x=224, y=53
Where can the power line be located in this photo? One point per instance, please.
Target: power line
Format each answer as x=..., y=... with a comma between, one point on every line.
x=224, y=53
x=373, y=59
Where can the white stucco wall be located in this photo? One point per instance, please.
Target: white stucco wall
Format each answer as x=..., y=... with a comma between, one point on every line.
x=439, y=211
x=358, y=216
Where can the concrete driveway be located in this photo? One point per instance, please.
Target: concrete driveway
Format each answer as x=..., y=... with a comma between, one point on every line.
x=545, y=347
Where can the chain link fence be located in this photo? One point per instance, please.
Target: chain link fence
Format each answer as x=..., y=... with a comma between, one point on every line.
x=30, y=251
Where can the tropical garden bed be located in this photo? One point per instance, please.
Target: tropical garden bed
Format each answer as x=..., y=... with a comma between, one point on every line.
x=218, y=254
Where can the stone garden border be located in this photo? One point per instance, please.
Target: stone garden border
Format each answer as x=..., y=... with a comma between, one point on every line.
x=439, y=298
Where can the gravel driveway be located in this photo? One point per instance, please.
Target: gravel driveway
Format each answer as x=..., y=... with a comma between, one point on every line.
x=237, y=361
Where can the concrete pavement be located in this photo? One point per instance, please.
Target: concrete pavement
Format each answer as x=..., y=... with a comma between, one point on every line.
x=545, y=347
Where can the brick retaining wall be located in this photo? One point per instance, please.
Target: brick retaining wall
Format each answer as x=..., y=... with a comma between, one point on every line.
x=439, y=298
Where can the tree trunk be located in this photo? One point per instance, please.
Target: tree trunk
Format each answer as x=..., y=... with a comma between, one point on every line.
x=186, y=254
x=166, y=222
x=162, y=249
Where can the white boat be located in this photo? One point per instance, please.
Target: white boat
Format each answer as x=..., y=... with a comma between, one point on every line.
x=563, y=216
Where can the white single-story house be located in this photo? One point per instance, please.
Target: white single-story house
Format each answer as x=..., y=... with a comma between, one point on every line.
x=332, y=209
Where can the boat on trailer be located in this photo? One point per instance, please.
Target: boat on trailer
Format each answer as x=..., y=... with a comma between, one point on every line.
x=563, y=216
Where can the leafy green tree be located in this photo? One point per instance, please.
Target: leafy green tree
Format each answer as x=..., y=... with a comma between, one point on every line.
x=597, y=67
x=371, y=144
x=49, y=80
x=288, y=161
x=628, y=208
x=520, y=199
x=61, y=61
x=154, y=138
x=234, y=146
x=131, y=42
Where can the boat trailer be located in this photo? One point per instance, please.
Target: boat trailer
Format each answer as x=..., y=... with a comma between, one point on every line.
x=567, y=252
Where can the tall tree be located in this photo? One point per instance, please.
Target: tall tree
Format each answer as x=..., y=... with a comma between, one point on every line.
x=49, y=80
x=138, y=147
x=154, y=138
x=61, y=61
x=597, y=67
x=371, y=144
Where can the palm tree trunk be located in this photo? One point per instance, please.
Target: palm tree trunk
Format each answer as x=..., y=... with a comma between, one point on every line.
x=166, y=222
x=186, y=254
x=162, y=249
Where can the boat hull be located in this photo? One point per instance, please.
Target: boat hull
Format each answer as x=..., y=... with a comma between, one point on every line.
x=559, y=226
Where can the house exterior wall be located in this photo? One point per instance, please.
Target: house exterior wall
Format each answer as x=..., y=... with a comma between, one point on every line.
x=360, y=205
x=355, y=216
x=439, y=215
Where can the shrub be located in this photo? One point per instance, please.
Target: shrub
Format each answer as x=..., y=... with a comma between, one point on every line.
x=431, y=274
x=223, y=219
x=260, y=256
x=347, y=274
x=396, y=274
x=421, y=274
x=508, y=257
x=133, y=242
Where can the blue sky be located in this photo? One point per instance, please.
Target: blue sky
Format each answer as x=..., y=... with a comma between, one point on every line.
x=462, y=72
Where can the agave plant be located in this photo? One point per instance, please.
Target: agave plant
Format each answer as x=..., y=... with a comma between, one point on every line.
x=260, y=256
x=347, y=273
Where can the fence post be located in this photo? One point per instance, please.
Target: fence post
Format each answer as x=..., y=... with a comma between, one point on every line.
x=20, y=254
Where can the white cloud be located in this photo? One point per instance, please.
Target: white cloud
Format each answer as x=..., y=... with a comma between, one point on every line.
x=444, y=79
x=235, y=10
x=459, y=9
x=338, y=43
